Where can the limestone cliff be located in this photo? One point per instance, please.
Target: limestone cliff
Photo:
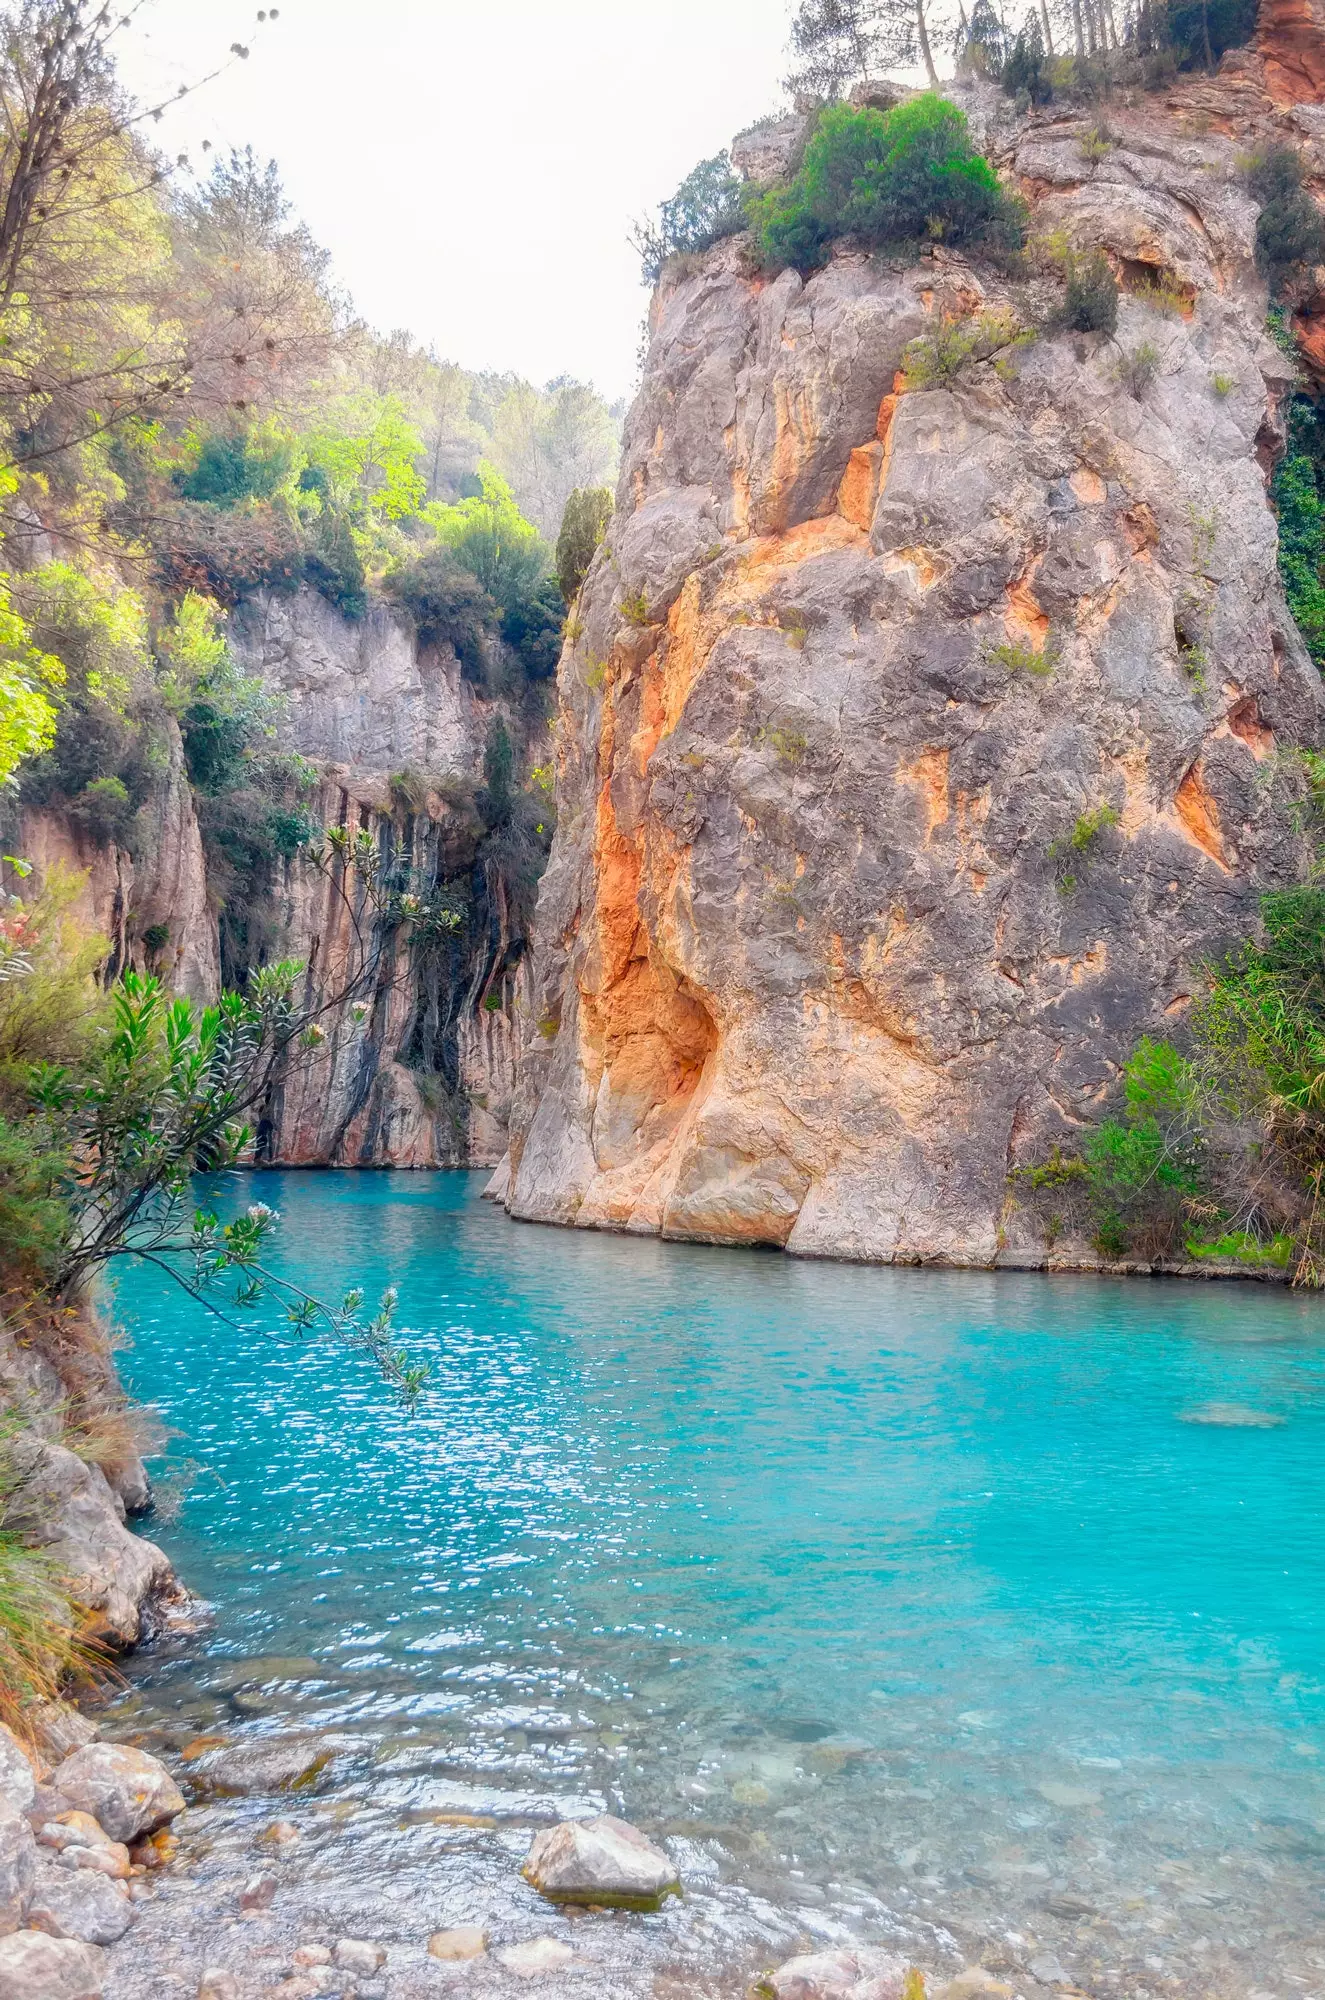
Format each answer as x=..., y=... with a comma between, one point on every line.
x=420, y=1072
x=857, y=662
x=151, y=906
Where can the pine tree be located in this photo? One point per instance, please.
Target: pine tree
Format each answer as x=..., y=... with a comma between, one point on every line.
x=840, y=42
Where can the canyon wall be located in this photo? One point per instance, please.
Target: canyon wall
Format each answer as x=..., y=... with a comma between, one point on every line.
x=417, y=1070
x=915, y=743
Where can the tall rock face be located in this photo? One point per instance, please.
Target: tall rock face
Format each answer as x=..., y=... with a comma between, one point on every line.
x=915, y=743
x=416, y=1067
x=151, y=906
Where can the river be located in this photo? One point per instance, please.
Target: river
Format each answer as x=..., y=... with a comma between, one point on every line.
x=981, y=1613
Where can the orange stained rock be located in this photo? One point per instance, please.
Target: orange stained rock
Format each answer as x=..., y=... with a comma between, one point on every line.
x=1198, y=816
x=929, y=772
x=646, y=1024
x=1244, y=721
x=1089, y=488
x=1022, y=616
x=809, y=538
x=794, y=442
x=859, y=491
x=1291, y=39
x=670, y=673
x=926, y=569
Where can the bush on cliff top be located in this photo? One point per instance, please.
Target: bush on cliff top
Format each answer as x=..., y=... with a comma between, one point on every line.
x=892, y=179
x=706, y=207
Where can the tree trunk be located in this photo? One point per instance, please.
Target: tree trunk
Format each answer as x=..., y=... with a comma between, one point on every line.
x=1048, y=31
x=1076, y=23
x=922, y=35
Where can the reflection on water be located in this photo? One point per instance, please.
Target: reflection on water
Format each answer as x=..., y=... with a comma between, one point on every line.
x=987, y=1602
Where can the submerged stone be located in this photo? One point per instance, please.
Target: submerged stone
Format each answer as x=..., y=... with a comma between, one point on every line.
x=465, y=1941
x=601, y=1860
x=539, y=1955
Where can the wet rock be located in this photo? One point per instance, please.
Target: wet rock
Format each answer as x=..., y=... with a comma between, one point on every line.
x=466, y=1941
x=218, y=1984
x=18, y=1780
x=82, y=1842
x=531, y=1960
x=34, y=1966
x=835, y=1975
x=58, y=1728
x=973, y=1980
x=157, y=1851
x=18, y=1866
x=128, y=1791
x=600, y=1860
x=112, y=1860
x=311, y=1954
x=79, y=1904
x=281, y=1833
x=258, y=1893
x=274, y=1764
x=358, y=1955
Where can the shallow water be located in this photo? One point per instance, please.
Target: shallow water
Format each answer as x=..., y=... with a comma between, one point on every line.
x=980, y=1611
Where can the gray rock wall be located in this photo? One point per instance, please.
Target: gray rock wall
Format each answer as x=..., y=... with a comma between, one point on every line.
x=817, y=961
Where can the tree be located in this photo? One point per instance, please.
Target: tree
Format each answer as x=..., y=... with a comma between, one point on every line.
x=91, y=334
x=29, y=677
x=547, y=443
x=840, y=42
x=490, y=537
x=256, y=295
x=707, y=206
x=583, y=525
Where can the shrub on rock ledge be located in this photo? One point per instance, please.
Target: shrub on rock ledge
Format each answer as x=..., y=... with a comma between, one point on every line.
x=891, y=179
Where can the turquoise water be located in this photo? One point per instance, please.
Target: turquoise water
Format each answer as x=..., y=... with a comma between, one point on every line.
x=992, y=1602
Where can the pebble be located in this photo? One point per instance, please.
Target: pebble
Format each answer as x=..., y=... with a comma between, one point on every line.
x=258, y=1893
x=312, y=1954
x=356, y=1955
x=465, y=1941
x=539, y=1955
x=602, y=1860
x=281, y=1833
x=218, y=1984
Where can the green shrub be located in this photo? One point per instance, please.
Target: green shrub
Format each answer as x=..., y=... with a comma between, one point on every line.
x=1240, y=1246
x=1026, y=73
x=706, y=207
x=1290, y=235
x=225, y=553
x=1296, y=490
x=1090, y=302
x=1018, y=656
x=583, y=525
x=234, y=466
x=333, y=566
x=1137, y=370
x=449, y=606
x=892, y=179
x=105, y=809
x=532, y=626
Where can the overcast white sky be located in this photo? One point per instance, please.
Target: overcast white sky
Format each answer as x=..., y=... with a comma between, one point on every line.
x=474, y=165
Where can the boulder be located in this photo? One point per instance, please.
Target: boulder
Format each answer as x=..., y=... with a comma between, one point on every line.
x=530, y=1960
x=58, y=1728
x=128, y=1791
x=69, y=1509
x=602, y=1861
x=79, y=1904
x=465, y=1941
x=18, y=1866
x=18, y=1780
x=34, y=1966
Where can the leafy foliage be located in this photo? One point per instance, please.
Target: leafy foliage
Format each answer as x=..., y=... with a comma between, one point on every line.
x=449, y=606
x=706, y=207
x=1090, y=300
x=1296, y=490
x=890, y=178
x=1290, y=234
x=583, y=525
